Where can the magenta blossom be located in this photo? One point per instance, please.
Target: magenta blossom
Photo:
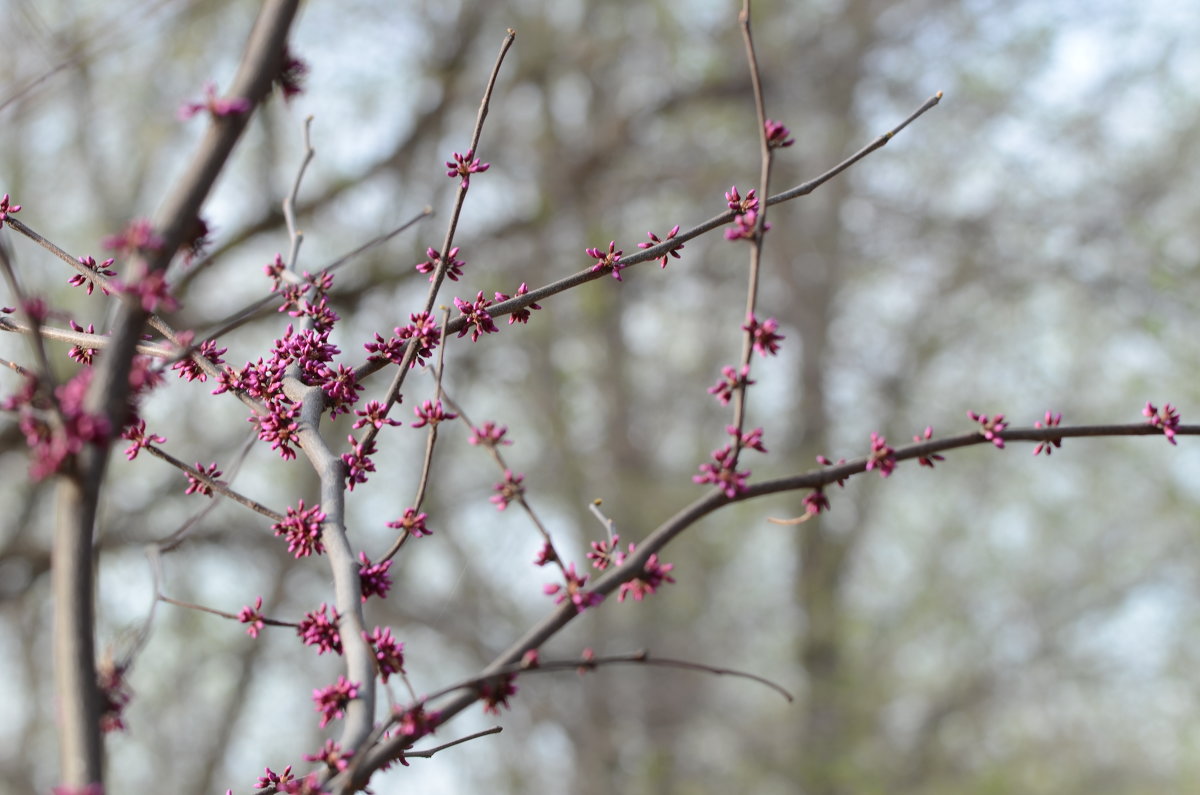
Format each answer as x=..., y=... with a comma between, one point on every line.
x=464, y=166
x=215, y=105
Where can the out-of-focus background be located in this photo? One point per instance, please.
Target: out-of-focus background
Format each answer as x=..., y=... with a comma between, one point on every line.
x=1000, y=624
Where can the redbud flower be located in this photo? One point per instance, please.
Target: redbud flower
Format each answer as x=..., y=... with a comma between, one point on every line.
x=1167, y=419
x=744, y=226
x=478, y=321
x=573, y=590
x=752, y=439
x=199, y=486
x=253, y=617
x=320, y=630
x=373, y=578
x=778, y=135
x=273, y=779
x=763, y=335
x=545, y=555
x=489, y=435
x=724, y=389
x=815, y=502
x=463, y=166
x=653, y=575
x=739, y=205
x=882, y=457
x=1048, y=446
x=375, y=415
x=671, y=252
x=335, y=759
x=720, y=473
x=302, y=529
x=388, y=652
x=189, y=370
x=990, y=427
x=333, y=700
x=136, y=433
x=79, y=280
x=412, y=523
x=291, y=75
x=508, y=491
x=454, y=268
x=610, y=260
x=358, y=461
x=215, y=105
x=521, y=315
x=927, y=461
x=605, y=553
x=138, y=236
x=7, y=209
x=431, y=413
x=78, y=353
x=495, y=692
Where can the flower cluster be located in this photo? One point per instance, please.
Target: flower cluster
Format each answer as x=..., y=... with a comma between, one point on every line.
x=199, y=485
x=722, y=472
x=252, y=616
x=291, y=74
x=412, y=523
x=336, y=760
x=388, y=652
x=138, y=236
x=763, y=335
x=454, y=266
x=489, y=435
x=464, y=166
x=79, y=280
x=375, y=415
x=373, y=578
x=778, y=136
x=745, y=219
x=358, y=461
x=607, y=260
x=422, y=330
x=573, y=590
x=990, y=427
x=1050, y=420
x=495, y=692
x=475, y=313
x=302, y=529
x=1167, y=418
x=190, y=370
x=519, y=315
x=215, y=105
x=509, y=490
x=7, y=209
x=927, y=460
x=654, y=574
x=431, y=413
x=882, y=457
x=136, y=433
x=655, y=241
x=318, y=629
x=79, y=353
x=332, y=701
x=733, y=380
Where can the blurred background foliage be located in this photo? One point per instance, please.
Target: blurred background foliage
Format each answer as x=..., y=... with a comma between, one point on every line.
x=1001, y=624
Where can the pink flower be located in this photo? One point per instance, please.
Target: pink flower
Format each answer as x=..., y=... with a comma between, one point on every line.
x=475, y=313
x=1167, y=419
x=389, y=653
x=720, y=472
x=763, y=335
x=654, y=574
x=607, y=260
x=1051, y=420
x=463, y=166
x=215, y=105
x=927, y=461
x=7, y=209
x=253, y=617
x=431, y=413
x=882, y=457
x=320, y=630
x=412, y=523
x=508, y=491
x=302, y=529
x=373, y=579
x=200, y=486
x=990, y=428
x=495, y=692
x=573, y=590
x=332, y=701
x=778, y=136
x=671, y=252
